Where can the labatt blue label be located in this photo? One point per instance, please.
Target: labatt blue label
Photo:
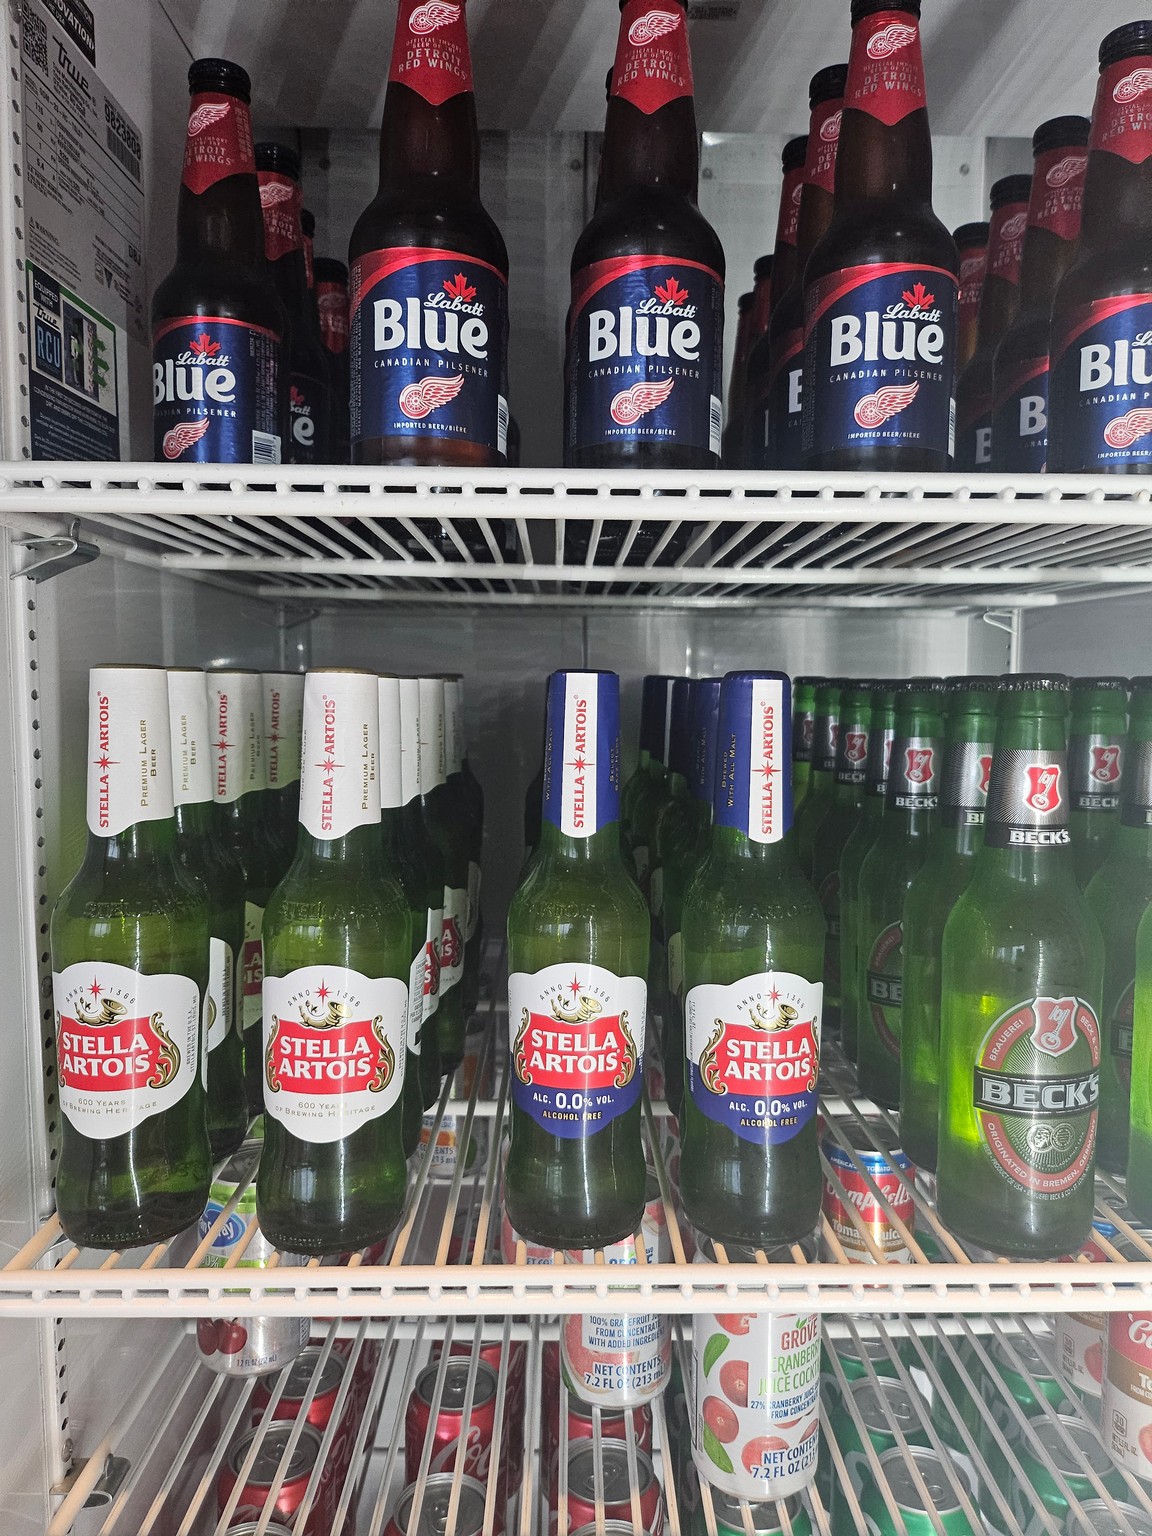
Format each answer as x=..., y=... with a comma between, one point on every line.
x=1020, y=418
x=429, y=346
x=215, y=392
x=644, y=354
x=879, y=355
x=1101, y=385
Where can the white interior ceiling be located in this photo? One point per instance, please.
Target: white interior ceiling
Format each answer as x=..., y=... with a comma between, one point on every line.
x=995, y=67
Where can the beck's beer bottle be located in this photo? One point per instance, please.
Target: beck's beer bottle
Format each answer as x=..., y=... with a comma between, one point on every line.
x=643, y=794
x=822, y=774
x=1020, y=1004
x=643, y=376
x=835, y=829
x=880, y=287
x=429, y=271
x=219, y=364
x=1020, y=370
x=972, y=249
x=1096, y=729
x=998, y=299
x=803, y=728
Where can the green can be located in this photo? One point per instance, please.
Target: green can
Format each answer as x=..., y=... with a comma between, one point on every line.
x=1096, y=1519
x=1068, y=1445
x=1051, y=1388
x=852, y=1358
x=881, y=1405
x=767, y=1515
x=954, y=1406
x=941, y=1485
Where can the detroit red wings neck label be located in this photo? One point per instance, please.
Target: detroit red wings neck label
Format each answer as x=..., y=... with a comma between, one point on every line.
x=644, y=363
x=577, y=1037
x=1094, y=771
x=1036, y=1085
x=334, y=1043
x=429, y=344
x=754, y=1054
x=219, y=141
x=1101, y=385
x=1122, y=116
x=885, y=67
x=1027, y=800
x=1058, y=191
x=215, y=392
x=879, y=353
x=280, y=201
x=127, y=1045
x=653, y=63
x=430, y=53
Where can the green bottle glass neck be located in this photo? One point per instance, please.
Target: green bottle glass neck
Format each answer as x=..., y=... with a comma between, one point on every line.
x=1039, y=729
x=731, y=846
x=602, y=847
x=146, y=844
x=195, y=819
x=357, y=852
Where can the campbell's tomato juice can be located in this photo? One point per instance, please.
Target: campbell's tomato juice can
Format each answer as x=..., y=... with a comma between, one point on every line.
x=859, y=1197
x=449, y=1426
x=1126, y=1420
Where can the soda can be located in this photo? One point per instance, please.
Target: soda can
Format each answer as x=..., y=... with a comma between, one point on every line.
x=915, y=1516
x=1014, y=1361
x=449, y=1424
x=434, y=1507
x=609, y=1528
x=492, y=1353
x=1080, y=1336
x=764, y=1516
x=889, y=1413
x=1068, y=1445
x=582, y=1426
x=1096, y=1519
x=616, y=1486
x=852, y=1356
x=1127, y=1408
x=450, y=1139
x=252, y=1528
x=955, y=1408
x=884, y=1168
x=262, y=1477
x=300, y=1376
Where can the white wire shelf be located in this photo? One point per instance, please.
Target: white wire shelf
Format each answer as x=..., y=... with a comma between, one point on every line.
x=590, y=537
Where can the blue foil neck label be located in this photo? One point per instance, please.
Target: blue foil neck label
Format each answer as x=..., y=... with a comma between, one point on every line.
x=753, y=762
x=1101, y=385
x=215, y=392
x=582, y=752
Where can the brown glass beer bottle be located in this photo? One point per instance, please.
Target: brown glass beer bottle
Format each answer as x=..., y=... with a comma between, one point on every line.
x=972, y=248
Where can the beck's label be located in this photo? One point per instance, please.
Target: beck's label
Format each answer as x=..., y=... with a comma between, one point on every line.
x=1094, y=772
x=644, y=354
x=340, y=741
x=577, y=1039
x=1122, y=116
x=754, y=1054
x=429, y=337
x=1020, y=418
x=129, y=749
x=1035, y=1087
x=967, y=767
x=884, y=986
x=914, y=773
x=852, y=751
x=803, y=734
x=219, y=141
x=252, y=968
x=127, y=1045
x=886, y=67
x=220, y=1002
x=334, y=1043
x=452, y=939
x=753, y=776
x=653, y=63
x=879, y=354
x=1136, y=800
x=215, y=392
x=1101, y=385
x=582, y=754
x=430, y=53
x=1027, y=800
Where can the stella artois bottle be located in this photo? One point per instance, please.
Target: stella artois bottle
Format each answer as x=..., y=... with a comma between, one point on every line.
x=753, y=959
x=129, y=944
x=667, y=827
x=425, y=857
x=643, y=794
x=468, y=800
x=803, y=731
x=822, y=775
x=1095, y=759
x=1020, y=1004
x=578, y=955
x=283, y=712
x=207, y=858
x=337, y=957
x=447, y=827
x=970, y=718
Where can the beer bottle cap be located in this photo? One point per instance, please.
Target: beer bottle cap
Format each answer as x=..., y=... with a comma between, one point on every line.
x=972, y=684
x=1059, y=131
x=1134, y=37
x=862, y=8
x=808, y=682
x=1009, y=189
x=1034, y=682
x=827, y=83
x=744, y=303
x=219, y=75
x=971, y=234
x=1140, y=684
x=1093, y=684
x=329, y=270
x=762, y=267
x=271, y=156
x=794, y=154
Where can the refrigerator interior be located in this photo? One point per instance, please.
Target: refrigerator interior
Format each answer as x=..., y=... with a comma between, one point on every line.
x=287, y=571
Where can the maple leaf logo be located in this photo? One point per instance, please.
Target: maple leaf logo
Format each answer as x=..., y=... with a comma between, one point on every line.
x=459, y=287
x=296, y=397
x=918, y=297
x=671, y=292
x=204, y=346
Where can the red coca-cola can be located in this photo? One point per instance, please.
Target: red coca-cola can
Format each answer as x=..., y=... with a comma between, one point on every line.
x=581, y=1426
x=615, y=1487
x=300, y=1375
x=434, y=1508
x=449, y=1425
x=492, y=1353
x=261, y=1479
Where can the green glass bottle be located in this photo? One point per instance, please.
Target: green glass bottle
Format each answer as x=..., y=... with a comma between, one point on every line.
x=836, y=828
x=969, y=725
x=1095, y=762
x=422, y=852
x=670, y=827
x=469, y=798
x=283, y=694
x=1020, y=1004
x=1118, y=896
x=532, y=796
x=885, y=875
x=753, y=957
x=129, y=944
x=882, y=714
x=578, y=955
x=337, y=952
x=646, y=790
x=446, y=825
x=205, y=856
x=239, y=779
x=822, y=780
x=803, y=732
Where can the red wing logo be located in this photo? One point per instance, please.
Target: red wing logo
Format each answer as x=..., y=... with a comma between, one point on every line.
x=1122, y=431
x=855, y=746
x=630, y=404
x=985, y=762
x=1013, y=228
x=184, y=435
x=918, y=764
x=652, y=25
x=830, y=127
x=1138, y=83
x=1043, y=788
x=331, y=303
x=206, y=114
x=890, y=39
x=874, y=410
x=1105, y=767
x=433, y=16
x=1055, y=1028
x=273, y=192
x=1066, y=170
x=973, y=266
x=429, y=394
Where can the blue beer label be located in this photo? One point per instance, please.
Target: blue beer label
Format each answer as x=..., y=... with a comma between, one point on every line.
x=782, y=409
x=879, y=358
x=308, y=410
x=644, y=354
x=754, y=1054
x=753, y=790
x=429, y=347
x=577, y=1041
x=215, y=392
x=582, y=752
x=1101, y=385
x=1020, y=419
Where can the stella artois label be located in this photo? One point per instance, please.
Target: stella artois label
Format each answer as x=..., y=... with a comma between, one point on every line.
x=339, y=786
x=283, y=721
x=409, y=737
x=127, y=1045
x=1027, y=800
x=236, y=720
x=754, y=778
x=884, y=994
x=334, y=1043
x=252, y=967
x=582, y=752
x=220, y=1003
x=577, y=1037
x=452, y=928
x=1094, y=772
x=424, y=979
x=129, y=748
x=754, y=1054
x=188, y=720
x=1036, y=1086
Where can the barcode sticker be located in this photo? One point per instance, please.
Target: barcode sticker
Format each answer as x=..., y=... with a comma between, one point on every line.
x=715, y=424
x=501, y=425
x=265, y=448
x=120, y=151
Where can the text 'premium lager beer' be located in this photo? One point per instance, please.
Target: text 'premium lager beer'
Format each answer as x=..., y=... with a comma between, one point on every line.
x=219, y=373
x=643, y=375
x=576, y=994
x=429, y=271
x=129, y=942
x=1020, y=1004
